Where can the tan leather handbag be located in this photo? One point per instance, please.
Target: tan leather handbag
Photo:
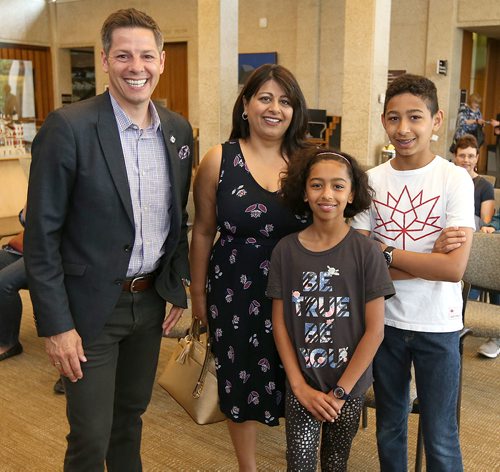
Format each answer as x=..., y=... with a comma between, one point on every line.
x=190, y=378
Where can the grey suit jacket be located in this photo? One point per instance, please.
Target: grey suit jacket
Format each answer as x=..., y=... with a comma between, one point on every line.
x=80, y=225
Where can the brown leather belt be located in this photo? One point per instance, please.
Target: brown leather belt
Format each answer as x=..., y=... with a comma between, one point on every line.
x=139, y=283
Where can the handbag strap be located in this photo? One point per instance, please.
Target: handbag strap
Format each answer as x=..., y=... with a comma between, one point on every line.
x=195, y=330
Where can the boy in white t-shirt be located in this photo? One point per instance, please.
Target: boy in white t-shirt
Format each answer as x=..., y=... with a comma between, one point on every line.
x=417, y=196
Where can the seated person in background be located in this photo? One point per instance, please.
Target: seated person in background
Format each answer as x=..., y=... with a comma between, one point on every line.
x=12, y=279
x=466, y=156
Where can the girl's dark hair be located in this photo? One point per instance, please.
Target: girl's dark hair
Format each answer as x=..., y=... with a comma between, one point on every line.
x=295, y=135
x=293, y=182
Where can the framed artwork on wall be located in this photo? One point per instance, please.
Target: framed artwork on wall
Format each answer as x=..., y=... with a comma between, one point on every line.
x=248, y=62
x=17, y=106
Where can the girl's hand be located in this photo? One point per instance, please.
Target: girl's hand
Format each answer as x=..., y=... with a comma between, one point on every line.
x=487, y=229
x=322, y=406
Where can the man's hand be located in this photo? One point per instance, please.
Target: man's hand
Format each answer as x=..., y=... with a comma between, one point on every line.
x=450, y=239
x=487, y=229
x=65, y=351
x=174, y=315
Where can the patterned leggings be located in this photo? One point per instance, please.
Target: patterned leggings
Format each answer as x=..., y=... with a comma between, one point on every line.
x=303, y=433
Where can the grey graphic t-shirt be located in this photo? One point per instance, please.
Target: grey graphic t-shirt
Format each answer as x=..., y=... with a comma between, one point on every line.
x=324, y=296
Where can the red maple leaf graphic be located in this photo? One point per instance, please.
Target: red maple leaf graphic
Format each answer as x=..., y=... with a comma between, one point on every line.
x=405, y=217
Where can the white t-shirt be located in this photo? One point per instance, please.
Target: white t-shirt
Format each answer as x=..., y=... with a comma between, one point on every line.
x=409, y=211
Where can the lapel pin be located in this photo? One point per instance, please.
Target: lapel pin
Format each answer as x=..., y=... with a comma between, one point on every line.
x=172, y=139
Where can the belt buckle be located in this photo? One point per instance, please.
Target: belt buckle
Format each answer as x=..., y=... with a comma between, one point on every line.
x=133, y=281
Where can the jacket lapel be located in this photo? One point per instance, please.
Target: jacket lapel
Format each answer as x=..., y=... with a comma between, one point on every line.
x=170, y=138
x=109, y=137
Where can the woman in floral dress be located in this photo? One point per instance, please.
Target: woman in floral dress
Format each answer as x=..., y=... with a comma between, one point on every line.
x=236, y=197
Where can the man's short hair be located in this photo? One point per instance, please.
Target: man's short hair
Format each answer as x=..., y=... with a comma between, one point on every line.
x=129, y=18
x=416, y=85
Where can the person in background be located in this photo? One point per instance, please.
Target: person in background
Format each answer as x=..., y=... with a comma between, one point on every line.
x=106, y=244
x=466, y=156
x=12, y=279
x=328, y=285
x=417, y=195
x=10, y=105
x=470, y=121
x=236, y=194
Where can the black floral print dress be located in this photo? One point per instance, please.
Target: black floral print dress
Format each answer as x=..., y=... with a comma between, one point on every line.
x=250, y=220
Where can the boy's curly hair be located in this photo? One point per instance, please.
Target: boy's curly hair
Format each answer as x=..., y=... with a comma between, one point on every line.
x=293, y=181
x=416, y=85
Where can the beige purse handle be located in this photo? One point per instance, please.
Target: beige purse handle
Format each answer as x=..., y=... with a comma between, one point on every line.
x=194, y=332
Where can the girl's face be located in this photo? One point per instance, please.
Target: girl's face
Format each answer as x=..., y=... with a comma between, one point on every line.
x=466, y=158
x=328, y=189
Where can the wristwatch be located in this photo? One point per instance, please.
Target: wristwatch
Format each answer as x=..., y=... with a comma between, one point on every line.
x=388, y=255
x=340, y=393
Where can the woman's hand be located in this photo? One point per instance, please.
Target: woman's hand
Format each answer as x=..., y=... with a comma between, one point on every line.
x=199, y=307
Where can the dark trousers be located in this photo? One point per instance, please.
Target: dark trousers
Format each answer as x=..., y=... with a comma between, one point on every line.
x=12, y=279
x=104, y=408
x=436, y=359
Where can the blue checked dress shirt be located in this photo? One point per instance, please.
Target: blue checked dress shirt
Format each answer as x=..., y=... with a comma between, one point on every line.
x=150, y=188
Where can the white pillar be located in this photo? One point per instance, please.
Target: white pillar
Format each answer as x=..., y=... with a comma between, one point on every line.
x=366, y=60
x=217, y=69
x=308, y=42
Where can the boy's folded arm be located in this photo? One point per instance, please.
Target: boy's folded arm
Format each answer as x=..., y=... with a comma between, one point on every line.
x=396, y=274
x=449, y=267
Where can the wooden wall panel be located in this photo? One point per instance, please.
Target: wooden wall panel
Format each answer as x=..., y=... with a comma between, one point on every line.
x=42, y=72
x=173, y=83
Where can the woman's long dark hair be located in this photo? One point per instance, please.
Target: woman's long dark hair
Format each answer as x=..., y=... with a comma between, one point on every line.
x=295, y=135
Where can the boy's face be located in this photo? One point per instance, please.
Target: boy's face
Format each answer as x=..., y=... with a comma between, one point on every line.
x=409, y=124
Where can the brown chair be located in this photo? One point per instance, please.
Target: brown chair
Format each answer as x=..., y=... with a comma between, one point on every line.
x=483, y=271
x=490, y=178
x=497, y=198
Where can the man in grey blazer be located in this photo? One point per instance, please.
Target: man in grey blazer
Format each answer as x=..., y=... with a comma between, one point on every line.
x=106, y=244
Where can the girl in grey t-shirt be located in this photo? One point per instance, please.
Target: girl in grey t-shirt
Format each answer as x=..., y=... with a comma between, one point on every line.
x=328, y=284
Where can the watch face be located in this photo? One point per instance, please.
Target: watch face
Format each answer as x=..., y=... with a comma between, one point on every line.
x=388, y=257
x=339, y=392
